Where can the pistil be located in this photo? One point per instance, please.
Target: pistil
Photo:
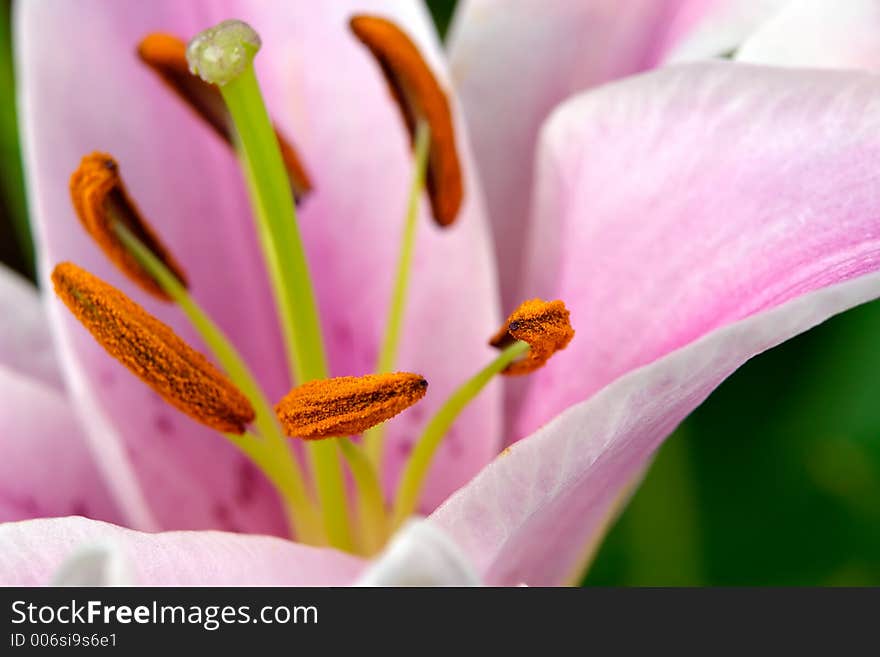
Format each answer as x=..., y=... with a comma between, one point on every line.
x=223, y=55
x=165, y=54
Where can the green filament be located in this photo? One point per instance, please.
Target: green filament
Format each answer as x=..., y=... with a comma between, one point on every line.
x=270, y=453
x=416, y=469
x=374, y=439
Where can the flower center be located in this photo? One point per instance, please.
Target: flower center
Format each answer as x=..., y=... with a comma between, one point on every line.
x=324, y=412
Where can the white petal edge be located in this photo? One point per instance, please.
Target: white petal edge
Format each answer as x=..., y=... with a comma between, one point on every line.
x=421, y=554
x=33, y=551
x=818, y=34
x=95, y=565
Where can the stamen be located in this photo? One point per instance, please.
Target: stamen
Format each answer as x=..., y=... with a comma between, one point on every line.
x=165, y=54
x=152, y=351
x=419, y=96
x=101, y=199
x=544, y=325
x=271, y=454
x=347, y=405
x=533, y=333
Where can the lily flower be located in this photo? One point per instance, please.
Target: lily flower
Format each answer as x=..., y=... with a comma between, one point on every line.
x=681, y=221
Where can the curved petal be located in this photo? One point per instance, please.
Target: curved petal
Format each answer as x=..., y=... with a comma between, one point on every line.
x=420, y=554
x=817, y=34
x=536, y=513
x=327, y=95
x=46, y=468
x=690, y=218
x=514, y=61
x=25, y=343
x=674, y=203
x=32, y=551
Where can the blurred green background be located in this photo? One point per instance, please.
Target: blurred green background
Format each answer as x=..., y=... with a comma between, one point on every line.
x=774, y=481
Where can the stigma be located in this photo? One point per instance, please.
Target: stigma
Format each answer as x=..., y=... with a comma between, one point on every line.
x=347, y=405
x=152, y=351
x=165, y=55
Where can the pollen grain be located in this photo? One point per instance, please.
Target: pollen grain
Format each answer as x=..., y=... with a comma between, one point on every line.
x=347, y=405
x=100, y=198
x=544, y=325
x=152, y=351
x=420, y=96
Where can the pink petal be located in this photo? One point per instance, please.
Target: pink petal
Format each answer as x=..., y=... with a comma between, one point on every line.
x=690, y=218
x=536, y=513
x=32, y=551
x=674, y=203
x=513, y=62
x=817, y=34
x=25, y=344
x=46, y=468
x=328, y=94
